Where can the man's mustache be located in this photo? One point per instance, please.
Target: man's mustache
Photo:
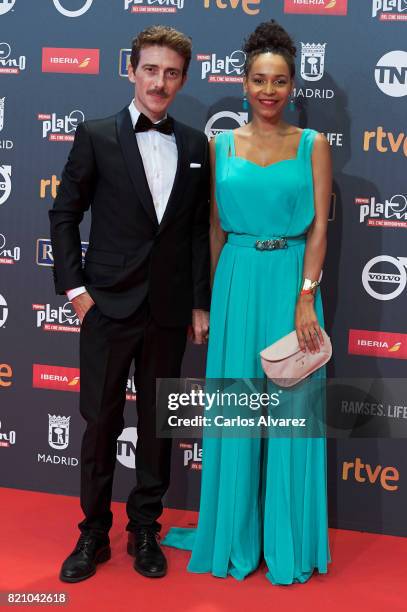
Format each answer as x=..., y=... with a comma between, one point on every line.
x=158, y=92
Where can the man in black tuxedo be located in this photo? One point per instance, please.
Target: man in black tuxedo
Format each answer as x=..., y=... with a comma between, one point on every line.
x=144, y=285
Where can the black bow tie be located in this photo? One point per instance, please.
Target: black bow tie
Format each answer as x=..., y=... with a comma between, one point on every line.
x=165, y=126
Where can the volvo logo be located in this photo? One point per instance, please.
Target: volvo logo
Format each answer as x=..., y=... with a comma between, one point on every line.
x=216, y=123
x=70, y=12
x=371, y=275
x=3, y=311
x=5, y=183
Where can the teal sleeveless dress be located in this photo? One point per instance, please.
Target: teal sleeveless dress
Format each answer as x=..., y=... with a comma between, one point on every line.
x=259, y=497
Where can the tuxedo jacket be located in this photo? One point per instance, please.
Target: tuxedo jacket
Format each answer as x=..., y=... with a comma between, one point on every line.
x=131, y=257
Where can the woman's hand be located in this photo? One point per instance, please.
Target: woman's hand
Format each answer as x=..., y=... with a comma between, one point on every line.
x=306, y=324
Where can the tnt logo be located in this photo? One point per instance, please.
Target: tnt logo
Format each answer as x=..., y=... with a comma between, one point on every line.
x=6, y=6
x=391, y=74
x=126, y=447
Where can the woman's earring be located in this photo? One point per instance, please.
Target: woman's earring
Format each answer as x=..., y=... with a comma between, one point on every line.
x=245, y=104
x=291, y=104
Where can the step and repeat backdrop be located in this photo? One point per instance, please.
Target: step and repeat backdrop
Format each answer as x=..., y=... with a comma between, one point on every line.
x=63, y=61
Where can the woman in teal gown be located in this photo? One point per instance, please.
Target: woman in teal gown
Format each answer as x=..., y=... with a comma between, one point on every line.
x=264, y=497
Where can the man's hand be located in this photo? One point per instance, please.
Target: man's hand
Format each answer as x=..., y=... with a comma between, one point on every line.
x=82, y=303
x=199, y=331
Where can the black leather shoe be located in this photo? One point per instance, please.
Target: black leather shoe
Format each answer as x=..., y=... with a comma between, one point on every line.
x=81, y=563
x=149, y=558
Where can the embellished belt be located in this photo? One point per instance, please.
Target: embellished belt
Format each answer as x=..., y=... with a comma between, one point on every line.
x=265, y=244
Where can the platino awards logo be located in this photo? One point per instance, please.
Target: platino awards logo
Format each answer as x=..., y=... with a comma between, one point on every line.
x=153, y=6
x=391, y=213
x=8, y=64
x=228, y=69
x=389, y=10
x=8, y=255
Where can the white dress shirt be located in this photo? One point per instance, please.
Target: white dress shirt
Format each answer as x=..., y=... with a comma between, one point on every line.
x=160, y=157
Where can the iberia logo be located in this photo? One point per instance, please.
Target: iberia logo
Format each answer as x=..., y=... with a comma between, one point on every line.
x=377, y=344
x=317, y=7
x=55, y=377
x=59, y=378
x=78, y=61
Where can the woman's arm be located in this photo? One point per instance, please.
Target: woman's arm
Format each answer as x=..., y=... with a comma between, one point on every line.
x=306, y=322
x=217, y=236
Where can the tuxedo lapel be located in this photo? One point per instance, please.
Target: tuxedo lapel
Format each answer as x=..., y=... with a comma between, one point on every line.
x=179, y=181
x=134, y=162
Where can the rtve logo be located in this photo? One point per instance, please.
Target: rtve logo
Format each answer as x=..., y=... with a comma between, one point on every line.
x=250, y=7
x=6, y=375
x=385, y=141
x=50, y=185
x=364, y=472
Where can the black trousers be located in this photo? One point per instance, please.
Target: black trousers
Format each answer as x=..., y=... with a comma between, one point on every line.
x=107, y=350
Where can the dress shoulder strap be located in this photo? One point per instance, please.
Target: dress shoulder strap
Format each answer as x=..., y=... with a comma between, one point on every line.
x=222, y=145
x=224, y=149
x=225, y=142
x=232, y=144
x=306, y=143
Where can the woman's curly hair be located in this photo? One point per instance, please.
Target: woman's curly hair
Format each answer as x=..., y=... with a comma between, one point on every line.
x=270, y=37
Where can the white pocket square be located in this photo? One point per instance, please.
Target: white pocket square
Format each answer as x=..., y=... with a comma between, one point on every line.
x=195, y=165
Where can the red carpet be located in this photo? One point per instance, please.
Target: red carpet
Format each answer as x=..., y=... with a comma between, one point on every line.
x=368, y=572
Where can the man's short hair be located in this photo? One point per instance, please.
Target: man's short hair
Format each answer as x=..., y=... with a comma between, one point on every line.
x=164, y=36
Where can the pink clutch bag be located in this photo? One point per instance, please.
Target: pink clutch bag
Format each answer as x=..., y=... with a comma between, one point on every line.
x=286, y=365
